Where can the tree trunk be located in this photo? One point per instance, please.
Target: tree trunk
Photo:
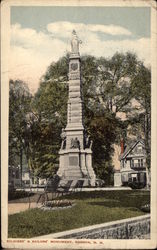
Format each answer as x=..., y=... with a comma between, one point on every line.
x=21, y=151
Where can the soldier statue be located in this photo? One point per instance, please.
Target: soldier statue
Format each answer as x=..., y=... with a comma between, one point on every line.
x=63, y=136
x=75, y=43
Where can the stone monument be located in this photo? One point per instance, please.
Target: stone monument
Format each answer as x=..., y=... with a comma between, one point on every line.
x=75, y=155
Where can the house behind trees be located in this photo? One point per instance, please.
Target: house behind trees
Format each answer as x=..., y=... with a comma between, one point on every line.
x=132, y=164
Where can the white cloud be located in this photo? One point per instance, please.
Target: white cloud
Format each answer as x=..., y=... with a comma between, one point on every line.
x=107, y=48
x=27, y=65
x=63, y=29
x=109, y=29
x=32, y=52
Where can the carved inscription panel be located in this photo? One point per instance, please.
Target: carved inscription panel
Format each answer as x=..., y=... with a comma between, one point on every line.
x=73, y=161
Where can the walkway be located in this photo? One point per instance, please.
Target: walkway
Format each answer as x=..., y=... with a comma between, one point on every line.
x=83, y=189
x=22, y=204
x=14, y=208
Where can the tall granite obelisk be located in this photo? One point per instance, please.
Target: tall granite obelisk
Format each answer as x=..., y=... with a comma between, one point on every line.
x=75, y=161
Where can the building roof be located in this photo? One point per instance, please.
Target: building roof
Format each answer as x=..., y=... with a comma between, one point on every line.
x=130, y=147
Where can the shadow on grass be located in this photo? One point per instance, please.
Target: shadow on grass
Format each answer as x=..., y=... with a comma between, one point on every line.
x=115, y=204
x=22, y=197
x=116, y=194
x=106, y=204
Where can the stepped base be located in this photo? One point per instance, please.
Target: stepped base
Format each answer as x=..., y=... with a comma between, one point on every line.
x=86, y=182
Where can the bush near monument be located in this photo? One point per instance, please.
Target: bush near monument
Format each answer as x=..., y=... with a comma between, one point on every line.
x=14, y=194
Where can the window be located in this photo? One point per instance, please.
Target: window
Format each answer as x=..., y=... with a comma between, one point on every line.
x=136, y=163
x=141, y=162
x=134, y=177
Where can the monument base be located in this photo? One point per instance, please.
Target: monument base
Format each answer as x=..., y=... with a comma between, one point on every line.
x=76, y=164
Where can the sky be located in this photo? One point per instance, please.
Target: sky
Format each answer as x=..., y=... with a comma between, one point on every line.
x=41, y=35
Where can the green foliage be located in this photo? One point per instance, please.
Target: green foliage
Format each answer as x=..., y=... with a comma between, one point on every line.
x=141, y=87
x=115, y=79
x=19, y=105
x=102, y=128
x=50, y=104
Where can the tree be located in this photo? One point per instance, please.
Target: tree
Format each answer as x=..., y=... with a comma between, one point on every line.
x=141, y=88
x=103, y=128
x=115, y=77
x=19, y=105
x=50, y=105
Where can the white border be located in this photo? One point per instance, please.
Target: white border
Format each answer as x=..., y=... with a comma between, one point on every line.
x=107, y=244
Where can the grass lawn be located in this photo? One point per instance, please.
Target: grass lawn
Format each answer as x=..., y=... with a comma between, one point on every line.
x=90, y=208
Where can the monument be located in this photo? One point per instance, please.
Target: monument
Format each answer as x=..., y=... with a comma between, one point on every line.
x=75, y=155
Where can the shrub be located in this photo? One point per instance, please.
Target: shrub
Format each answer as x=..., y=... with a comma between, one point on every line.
x=146, y=208
x=14, y=194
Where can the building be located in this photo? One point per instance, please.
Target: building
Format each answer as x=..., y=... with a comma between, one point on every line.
x=14, y=176
x=25, y=177
x=132, y=164
x=28, y=179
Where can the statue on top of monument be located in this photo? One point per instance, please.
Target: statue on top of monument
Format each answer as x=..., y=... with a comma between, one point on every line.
x=75, y=43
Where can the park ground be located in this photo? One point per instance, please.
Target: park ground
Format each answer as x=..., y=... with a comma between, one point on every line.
x=89, y=208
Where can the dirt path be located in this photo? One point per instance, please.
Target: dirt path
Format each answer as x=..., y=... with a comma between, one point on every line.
x=14, y=208
x=22, y=204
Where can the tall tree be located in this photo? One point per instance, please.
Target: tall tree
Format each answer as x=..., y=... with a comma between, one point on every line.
x=19, y=106
x=141, y=88
x=50, y=104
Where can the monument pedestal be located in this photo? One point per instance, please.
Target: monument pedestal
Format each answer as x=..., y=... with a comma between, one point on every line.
x=76, y=164
x=70, y=164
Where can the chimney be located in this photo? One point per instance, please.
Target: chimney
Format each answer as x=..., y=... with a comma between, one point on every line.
x=122, y=145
